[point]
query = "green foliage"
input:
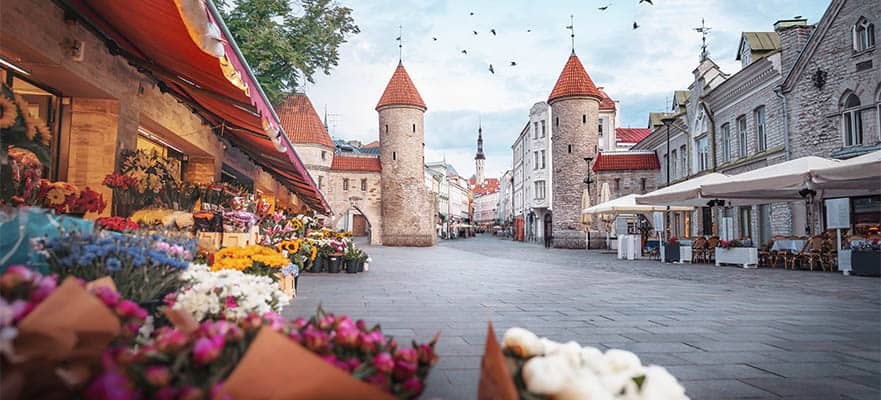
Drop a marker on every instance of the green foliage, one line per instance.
(285, 42)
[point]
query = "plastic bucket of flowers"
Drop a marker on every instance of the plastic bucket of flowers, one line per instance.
(334, 262)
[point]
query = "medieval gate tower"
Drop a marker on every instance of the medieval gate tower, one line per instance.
(574, 103)
(407, 210)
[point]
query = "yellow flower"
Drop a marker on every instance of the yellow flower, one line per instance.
(55, 196)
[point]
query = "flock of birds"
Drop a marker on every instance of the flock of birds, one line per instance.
(492, 31)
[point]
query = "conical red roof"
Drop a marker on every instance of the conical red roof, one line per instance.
(400, 91)
(301, 122)
(574, 81)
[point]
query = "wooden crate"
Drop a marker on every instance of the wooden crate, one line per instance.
(209, 240)
(236, 239)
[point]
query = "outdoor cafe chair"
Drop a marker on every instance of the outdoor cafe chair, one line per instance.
(790, 259)
(698, 249)
(711, 249)
(766, 254)
(813, 252)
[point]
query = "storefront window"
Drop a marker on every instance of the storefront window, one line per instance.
(43, 104)
(866, 213)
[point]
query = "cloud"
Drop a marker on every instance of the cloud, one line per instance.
(640, 68)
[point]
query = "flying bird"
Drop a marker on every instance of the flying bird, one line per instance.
(605, 7)
(472, 13)
(434, 38)
(529, 30)
(635, 25)
(646, 1)
(513, 63)
(493, 31)
(464, 51)
(491, 70)
(475, 33)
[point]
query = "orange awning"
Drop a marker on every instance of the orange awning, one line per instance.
(156, 36)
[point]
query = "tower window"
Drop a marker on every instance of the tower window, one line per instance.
(323, 155)
(345, 183)
(363, 184)
(642, 185)
(386, 128)
(557, 121)
(394, 155)
(414, 127)
(583, 118)
(570, 149)
(320, 182)
(617, 184)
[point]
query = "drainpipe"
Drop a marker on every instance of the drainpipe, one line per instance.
(779, 92)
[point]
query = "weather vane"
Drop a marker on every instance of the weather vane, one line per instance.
(704, 30)
(571, 28)
(400, 43)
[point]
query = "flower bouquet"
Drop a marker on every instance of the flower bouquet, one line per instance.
(52, 335)
(116, 224)
(238, 221)
(224, 358)
(87, 200)
(254, 259)
(26, 171)
(276, 227)
(529, 367)
(226, 294)
(126, 194)
(144, 267)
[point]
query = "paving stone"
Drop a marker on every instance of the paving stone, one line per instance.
(709, 326)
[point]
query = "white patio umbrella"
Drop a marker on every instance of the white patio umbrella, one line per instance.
(629, 205)
(781, 181)
(685, 193)
(856, 176)
(585, 203)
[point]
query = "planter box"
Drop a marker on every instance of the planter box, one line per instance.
(671, 254)
(748, 257)
(209, 240)
(236, 239)
(865, 263)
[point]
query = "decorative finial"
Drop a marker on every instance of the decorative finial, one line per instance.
(704, 30)
(400, 45)
(571, 29)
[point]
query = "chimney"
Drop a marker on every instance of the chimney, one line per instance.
(794, 33)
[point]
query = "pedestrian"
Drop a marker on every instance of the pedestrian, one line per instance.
(548, 240)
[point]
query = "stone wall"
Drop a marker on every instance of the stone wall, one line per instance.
(815, 113)
(575, 121)
(629, 182)
(407, 209)
(366, 202)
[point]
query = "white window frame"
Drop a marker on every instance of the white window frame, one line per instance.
(863, 35)
(543, 128)
(760, 117)
(543, 158)
(540, 190)
(852, 124)
(726, 142)
(673, 158)
(741, 136)
(683, 161)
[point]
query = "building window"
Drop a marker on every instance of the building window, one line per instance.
(363, 184)
(345, 183)
(673, 173)
(542, 159)
(557, 121)
(683, 161)
(536, 160)
(642, 185)
(741, 135)
(863, 35)
(539, 190)
(666, 167)
(535, 130)
(320, 182)
(583, 118)
(726, 142)
(761, 137)
(394, 155)
(600, 127)
(323, 155)
(746, 222)
(617, 184)
(852, 121)
(386, 128)
(570, 149)
(414, 128)
(542, 128)
(703, 150)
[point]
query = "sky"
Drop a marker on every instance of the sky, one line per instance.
(639, 68)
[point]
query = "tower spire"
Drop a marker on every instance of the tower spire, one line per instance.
(571, 29)
(400, 44)
(704, 30)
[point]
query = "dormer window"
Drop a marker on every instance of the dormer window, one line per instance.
(746, 54)
(863, 35)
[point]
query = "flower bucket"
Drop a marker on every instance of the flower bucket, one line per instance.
(334, 263)
(352, 266)
(360, 266)
(319, 265)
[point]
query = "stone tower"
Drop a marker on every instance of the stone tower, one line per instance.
(407, 210)
(479, 159)
(309, 137)
(574, 103)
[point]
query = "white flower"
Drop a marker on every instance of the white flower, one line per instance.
(619, 369)
(547, 375)
(593, 358)
(522, 342)
(206, 294)
(571, 351)
(660, 385)
(584, 385)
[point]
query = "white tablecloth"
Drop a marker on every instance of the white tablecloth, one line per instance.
(628, 247)
(790, 245)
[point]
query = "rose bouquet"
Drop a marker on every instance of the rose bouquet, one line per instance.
(543, 368)
(197, 364)
(116, 224)
(226, 294)
(87, 200)
(254, 259)
(144, 267)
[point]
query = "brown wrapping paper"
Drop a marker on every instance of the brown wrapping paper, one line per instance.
(276, 368)
(181, 319)
(495, 380)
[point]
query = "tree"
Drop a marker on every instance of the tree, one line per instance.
(284, 42)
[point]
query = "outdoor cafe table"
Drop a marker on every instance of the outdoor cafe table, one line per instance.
(789, 245)
(628, 247)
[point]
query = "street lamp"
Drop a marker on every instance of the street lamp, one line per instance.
(667, 122)
(588, 181)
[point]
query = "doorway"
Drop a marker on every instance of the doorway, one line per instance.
(359, 225)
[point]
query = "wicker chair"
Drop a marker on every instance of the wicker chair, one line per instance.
(711, 249)
(698, 250)
(813, 252)
(768, 257)
(790, 259)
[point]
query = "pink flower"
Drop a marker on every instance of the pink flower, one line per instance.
(231, 302)
(347, 336)
(20, 272)
(217, 392)
(110, 386)
(315, 340)
(403, 370)
(141, 314)
(408, 355)
(162, 246)
(190, 393)
(157, 375)
(326, 323)
(379, 379)
(413, 386)
(427, 355)
(165, 393)
(383, 362)
(362, 326)
(132, 328)
(169, 340)
(354, 363)
(45, 285)
(127, 308)
(300, 322)
(205, 351)
(21, 309)
(109, 297)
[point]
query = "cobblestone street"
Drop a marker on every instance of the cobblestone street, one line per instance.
(723, 332)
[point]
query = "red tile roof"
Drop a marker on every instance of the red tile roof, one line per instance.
(301, 122)
(631, 135)
(371, 145)
(349, 163)
(400, 91)
(626, 161)
(574, 81)
(490, 185)
(606, 103)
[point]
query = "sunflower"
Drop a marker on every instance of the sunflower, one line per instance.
(8, 113)
(296, 224)
(55, 196)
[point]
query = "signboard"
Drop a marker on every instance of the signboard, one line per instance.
(838, 213)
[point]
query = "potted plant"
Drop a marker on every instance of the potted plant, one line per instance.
(671, 250)
(335, 256)
(362, 260)
(351, 257)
